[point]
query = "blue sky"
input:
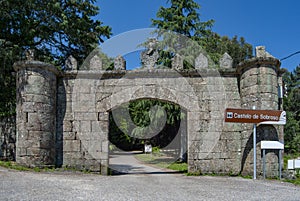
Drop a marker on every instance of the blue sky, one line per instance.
(274, 24)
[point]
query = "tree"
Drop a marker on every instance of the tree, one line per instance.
(216, 45)
(183, 18)
(292, 134)
(292, 98)
(292, 106)
(147, 115)
(55, 29)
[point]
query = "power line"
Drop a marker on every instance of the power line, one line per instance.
(290, 56)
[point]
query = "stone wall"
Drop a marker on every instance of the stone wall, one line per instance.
(36, 113)
(62, 119)
(77, 130)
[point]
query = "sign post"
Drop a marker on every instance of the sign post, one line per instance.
(254, 149)
(271, 145)
(257, 117)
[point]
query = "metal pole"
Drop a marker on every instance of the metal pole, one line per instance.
(254, 148)
(280, 164)
(254, 151)
(264, 163)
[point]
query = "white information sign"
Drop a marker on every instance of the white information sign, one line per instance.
(297, 163)
(293, 164)
(271, 145)
(148, 148)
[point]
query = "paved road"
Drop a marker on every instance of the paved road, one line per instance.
(125, 162)
(16, 185)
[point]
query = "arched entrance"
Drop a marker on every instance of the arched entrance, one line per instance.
(143, 123)
(152, 90)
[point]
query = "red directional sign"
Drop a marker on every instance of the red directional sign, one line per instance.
(255, 116)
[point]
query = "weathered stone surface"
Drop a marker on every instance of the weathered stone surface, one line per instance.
(72, 145)
(149, 57)
(260, 51)
(36, 113)
(85, 126)
(201, 61)
(177, 62)
(80, 117)
(71, 63)
(119, 63)
(29, 54)
(69, 136)
(226, 61)
(96, 63)
(103, 116)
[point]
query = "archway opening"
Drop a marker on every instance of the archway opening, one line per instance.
(147, 136)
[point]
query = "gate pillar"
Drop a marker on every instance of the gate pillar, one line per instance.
(36, 113)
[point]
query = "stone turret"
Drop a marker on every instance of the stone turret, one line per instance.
(36, 113)
(259, 80)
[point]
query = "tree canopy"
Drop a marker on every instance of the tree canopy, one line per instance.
(152, 120)
(55, 29)
(182, 17)
(292, 107)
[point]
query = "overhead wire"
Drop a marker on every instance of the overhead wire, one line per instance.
(290, 55)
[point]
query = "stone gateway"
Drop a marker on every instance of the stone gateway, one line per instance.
(63, 117)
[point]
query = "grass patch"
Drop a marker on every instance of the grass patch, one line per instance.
(287, 157)
(180, 167)
(13, 165)
(162, 161)
(246, 176)
(293, 181)
(194, 173)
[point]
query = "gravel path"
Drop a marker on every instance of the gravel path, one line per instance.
(66, 186)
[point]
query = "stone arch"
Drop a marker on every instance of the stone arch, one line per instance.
(148, 92)
(185, 100)
(172, 141)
